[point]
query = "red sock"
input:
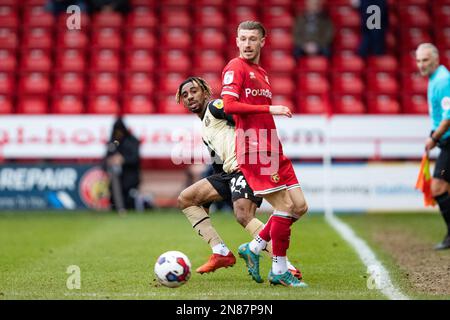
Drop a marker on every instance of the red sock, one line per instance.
(280, 233)
(265, 232)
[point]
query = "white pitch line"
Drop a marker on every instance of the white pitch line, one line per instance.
(379, 273)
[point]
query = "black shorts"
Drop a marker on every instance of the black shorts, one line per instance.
(233, 186)
(442, 166)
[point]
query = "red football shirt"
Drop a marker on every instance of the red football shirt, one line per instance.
(255, 126)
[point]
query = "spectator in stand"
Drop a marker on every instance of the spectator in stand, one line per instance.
(373, 40)
(58, 7)
(313, 31)
(121, 6)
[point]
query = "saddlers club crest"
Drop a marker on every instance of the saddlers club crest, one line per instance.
(275, 177)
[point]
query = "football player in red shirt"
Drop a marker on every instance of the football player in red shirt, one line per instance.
(247, 95)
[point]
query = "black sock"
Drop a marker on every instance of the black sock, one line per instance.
(443, 201)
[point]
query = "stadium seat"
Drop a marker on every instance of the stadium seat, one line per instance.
(75, 39)
(8, 17)
(139, 83)
(313, 64)
(178, 17)
(347, 62)
(411, 37)
(282, 84)
(36, 60)
(313, 84)
(8, 38)
(346, 39)
(168, 105)
(169, 82)
(386, 63)
(210, 38)
(345, 17)
(175, 38)
(103, 104)
(348, 104)
(9, 61)
(216, 3)
(414, 83)
(37, 83)
(70, 60)
(107, 38)
(242, 13)
(72, 83)
(67, 104)
(278, 61)
(277, 17)
(214, 80)
(37, 16)
(105, 60)
(208, 61)
(139, 60)
(415, 104)
(280, 38)
(383, 104)
(7, 83)
(32, 104)
(313, 104)
(441, 15)
(37, 38)
(414, 16)
(104, 83)
(408, 63)
(140, 38)
(284, 100)
(138, 104)
(382, 83)
(142, 17)
(107, 19)
(6, 104)
(209, 16)
(348, 83)
(443, 34)
(174, 61)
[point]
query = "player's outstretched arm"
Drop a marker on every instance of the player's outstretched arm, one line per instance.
(280, 111)
(233, 106)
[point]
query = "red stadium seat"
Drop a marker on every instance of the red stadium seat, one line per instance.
(414, 83)
(6, 104)
(383, 104)
(210, 38)
(243, 13)
(70, 60)
(8, 17)
(348, 83)
(107, 19)
(75, 39)
(174, 61)
(408, 63)
(36, 60)
(280, 38)
(215, 82)
(208, 61)
(8, 38)
(313, 84)
(140, 38)
(216, 3)
(175, 17)
(348, 104)
(168, 105)
(67, 104)
(9, 61)
(414, 16)
(282, 84)
(346, 39)
(72, 83)
(313, 64)
(138, 104)
(441, 15)
(29, 104)
(415, 104)
(7, 84)
(348, 62)
(105, 60)
(443, 34)
(175, 38)
(104, 83)
(284, 100)
(103, 104)
(386, 63)
(38, 38)
(412, 37)
(277, 17)
(169, 83)
(210, 16)
(313, 104)
(37, 83)
(139, 60)
(138, 83)
(142, 17)
(107, 38)
(278, 61)
(345, 17)
(382, 83)
(38, 16)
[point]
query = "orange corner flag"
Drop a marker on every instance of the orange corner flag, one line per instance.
(424, 181)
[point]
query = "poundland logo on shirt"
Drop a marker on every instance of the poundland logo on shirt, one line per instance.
(258, 92)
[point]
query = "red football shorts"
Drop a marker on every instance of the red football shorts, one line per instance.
(268, 173)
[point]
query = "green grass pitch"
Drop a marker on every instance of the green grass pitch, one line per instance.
(116, 258)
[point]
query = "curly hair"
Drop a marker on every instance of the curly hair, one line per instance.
(200, 82)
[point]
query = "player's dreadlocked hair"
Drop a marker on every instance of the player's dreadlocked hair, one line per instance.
(200, 82)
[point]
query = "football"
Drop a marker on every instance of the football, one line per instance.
(173, 269)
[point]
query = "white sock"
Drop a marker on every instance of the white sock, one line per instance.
(289, 264)
(257, 244)
(221, 249)
(279, 265)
